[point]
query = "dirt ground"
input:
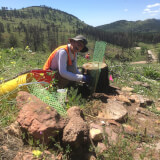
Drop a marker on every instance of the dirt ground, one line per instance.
(142, 126)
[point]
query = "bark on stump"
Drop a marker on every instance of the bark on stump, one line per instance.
(99, 73)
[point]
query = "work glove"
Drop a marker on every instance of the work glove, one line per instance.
(86, 78)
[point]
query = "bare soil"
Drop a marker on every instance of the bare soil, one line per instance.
(142, 126)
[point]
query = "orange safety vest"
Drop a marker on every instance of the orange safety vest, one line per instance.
(52, 55)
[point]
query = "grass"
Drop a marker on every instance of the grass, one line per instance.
(8, 112)
(15, 60)
(126, 74)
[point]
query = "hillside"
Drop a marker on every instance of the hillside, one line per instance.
(43, 29)
(39, 27)
(150, 25)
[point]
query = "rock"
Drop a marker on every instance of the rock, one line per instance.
(101, 147)
(13, 129)
(75, 132)
(10, 144)
(149, 101)
(28, 155)
(146, 85)
(127, 89)
(25, 98)
(134, 98)
(124, 99)
(113, 110)
(96, 134)
(158, 108)
(111, 135)
(142, 84)
(157, 146)
(142, 119)
(39, 119)
(24, 156)
(142, 101)
(129, 129)
(75, 111)
(137, 83)
(90, 156)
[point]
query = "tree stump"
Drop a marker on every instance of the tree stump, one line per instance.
(99, 74)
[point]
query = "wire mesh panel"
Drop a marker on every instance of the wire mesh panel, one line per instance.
(98, 56)
(47, 97)
(99, 51)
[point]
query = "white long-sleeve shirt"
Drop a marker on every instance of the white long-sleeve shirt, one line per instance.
(60, 63)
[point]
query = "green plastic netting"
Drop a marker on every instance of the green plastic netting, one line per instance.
(98, 55)
(50, 98)
(99, 51)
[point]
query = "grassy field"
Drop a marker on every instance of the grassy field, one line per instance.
(14, 61)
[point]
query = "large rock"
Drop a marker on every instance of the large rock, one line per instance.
(96, 134)
(76, 131)
(111, 135)
(39, 119)
(113, 110)
(75, 111)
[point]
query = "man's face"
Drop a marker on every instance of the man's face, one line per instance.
(78, 46)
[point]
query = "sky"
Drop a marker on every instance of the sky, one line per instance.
(96, 12)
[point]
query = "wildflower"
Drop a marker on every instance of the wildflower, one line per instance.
(48, 108)
(47, 97)
(41, 132)
(0, 57)
(41, 74)
(1, 78)
(13, 62)
(37, 153)
(12, 49)
(27, 47)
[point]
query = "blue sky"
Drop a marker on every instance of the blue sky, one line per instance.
(96, 12)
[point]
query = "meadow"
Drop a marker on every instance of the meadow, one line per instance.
(15, 61)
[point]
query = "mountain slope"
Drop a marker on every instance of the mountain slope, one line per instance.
(39, 27)
(150, 25)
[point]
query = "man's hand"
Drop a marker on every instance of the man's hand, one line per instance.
(86, 78)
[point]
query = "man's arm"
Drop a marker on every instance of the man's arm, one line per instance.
(62, 67)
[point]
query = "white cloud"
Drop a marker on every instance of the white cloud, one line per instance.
(126, 10)
(152, 9)
(153, 5)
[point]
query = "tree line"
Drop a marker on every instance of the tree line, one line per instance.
(52, 30)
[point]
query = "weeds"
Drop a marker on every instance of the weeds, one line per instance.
(74, 98)
(123, 75)
(8, 112)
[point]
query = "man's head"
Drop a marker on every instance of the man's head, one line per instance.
(79, 43)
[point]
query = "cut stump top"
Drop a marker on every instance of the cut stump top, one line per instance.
(94, 65)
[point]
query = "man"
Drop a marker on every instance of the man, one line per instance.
(64, 60)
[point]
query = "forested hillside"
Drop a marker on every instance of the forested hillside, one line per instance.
(43, 28)
(39, 27)
(140, 31)
(150, 25)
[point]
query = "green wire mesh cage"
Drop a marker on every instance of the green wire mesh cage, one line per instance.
(50, 98)
(98, 55)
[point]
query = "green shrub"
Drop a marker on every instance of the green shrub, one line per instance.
(150, 72)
